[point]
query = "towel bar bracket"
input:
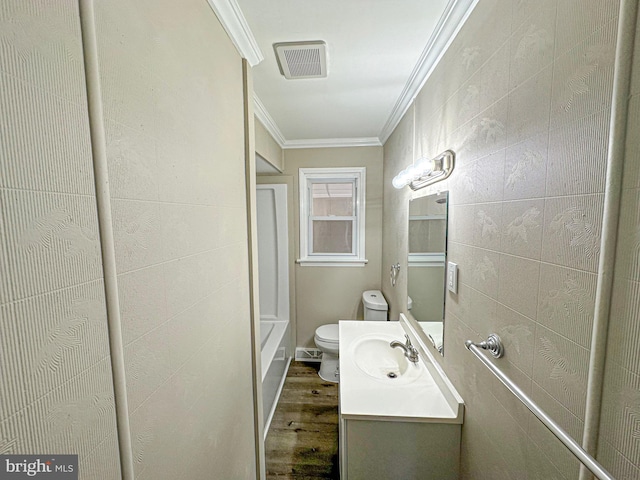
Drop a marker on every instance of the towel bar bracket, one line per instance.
(493, 344)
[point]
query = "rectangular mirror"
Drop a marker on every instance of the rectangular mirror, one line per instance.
(427, 264)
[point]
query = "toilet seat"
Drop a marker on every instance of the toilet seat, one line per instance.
(327, 340)
(328, 333)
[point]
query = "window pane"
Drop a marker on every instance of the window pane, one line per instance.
(332, 236)
(332, 199)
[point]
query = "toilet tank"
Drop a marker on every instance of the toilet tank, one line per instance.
(375, 306)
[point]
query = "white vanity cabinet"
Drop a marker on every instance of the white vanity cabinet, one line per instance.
(405, 425)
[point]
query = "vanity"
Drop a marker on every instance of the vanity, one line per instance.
(398, 419)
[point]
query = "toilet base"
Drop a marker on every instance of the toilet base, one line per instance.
(330, 368)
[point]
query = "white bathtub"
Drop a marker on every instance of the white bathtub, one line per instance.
(275, 357)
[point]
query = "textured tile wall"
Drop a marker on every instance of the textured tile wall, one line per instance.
(173, 110)
(173, 103)
(56, 382)
(523, 96)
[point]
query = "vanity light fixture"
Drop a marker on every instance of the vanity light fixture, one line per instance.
(426, 172)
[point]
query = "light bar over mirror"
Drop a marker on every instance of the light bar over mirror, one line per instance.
(426, 172)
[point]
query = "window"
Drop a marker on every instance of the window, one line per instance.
(332, 206)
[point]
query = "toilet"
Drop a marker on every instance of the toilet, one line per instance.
(327, 336)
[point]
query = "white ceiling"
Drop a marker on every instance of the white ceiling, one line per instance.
(377, 50)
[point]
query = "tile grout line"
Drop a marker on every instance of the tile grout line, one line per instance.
(103, 202)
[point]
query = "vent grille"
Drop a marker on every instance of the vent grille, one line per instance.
(302, 59)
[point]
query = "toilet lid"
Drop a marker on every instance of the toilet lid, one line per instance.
(328, 333)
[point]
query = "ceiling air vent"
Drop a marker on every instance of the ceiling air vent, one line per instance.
(302, 59)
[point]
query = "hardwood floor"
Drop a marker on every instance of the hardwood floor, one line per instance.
(302, 442)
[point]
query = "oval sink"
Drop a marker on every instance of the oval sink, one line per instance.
(373, 355)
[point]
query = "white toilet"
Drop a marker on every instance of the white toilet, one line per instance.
(327, 336)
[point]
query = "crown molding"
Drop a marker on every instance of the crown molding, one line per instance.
(452, 20)
(333, 142)
(269, 123)
(233, 21)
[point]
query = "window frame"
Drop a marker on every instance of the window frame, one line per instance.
(308, 176)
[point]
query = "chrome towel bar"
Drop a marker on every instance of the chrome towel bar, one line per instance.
(494, 345)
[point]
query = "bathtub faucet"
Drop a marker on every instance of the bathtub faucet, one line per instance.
(409, 350)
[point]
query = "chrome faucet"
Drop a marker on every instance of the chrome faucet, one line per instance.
(409, 350)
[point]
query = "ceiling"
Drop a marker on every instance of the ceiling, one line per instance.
(379, 53)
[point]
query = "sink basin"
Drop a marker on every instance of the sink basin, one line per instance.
(373, 355)
(419, 393)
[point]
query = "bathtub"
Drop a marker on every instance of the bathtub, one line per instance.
(275, 357)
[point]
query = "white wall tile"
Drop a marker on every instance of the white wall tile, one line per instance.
(525, 168)
(487, 225)
(560, 368)
(74, 418)
(579, 19)
(42, 46)
(131, 157)
(620, 412)
(616, 463)
(482, 268)
(461, 220)
(555, 451)
(632, 153)
(464, 185)
(521, 232)
(517, 333)
(485, 32)
(485, 134)
(532, 41)
(583, 77)
(587, 141)
(529, 106)
(46, 143)
(522, 294)
(539, 467)
(624, 326)
(6, 288)
(51, 241)
(488, 85)
(489, 181)
(566, 302)
(138, 234)
(628, 254)
(478, 309)
(67, 332)
(143, 301)
(572, 229)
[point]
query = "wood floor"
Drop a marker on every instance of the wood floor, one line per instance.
(302, 442)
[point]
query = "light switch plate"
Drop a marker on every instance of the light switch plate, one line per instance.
(452, 277)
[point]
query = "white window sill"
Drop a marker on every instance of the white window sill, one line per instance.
(307, 262)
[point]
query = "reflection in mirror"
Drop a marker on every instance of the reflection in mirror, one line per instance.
(426, 264)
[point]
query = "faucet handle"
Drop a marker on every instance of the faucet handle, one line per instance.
(408, 340)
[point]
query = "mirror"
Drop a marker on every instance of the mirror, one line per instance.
(426, 283)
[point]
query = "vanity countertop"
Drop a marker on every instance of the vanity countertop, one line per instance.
(415, 398)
